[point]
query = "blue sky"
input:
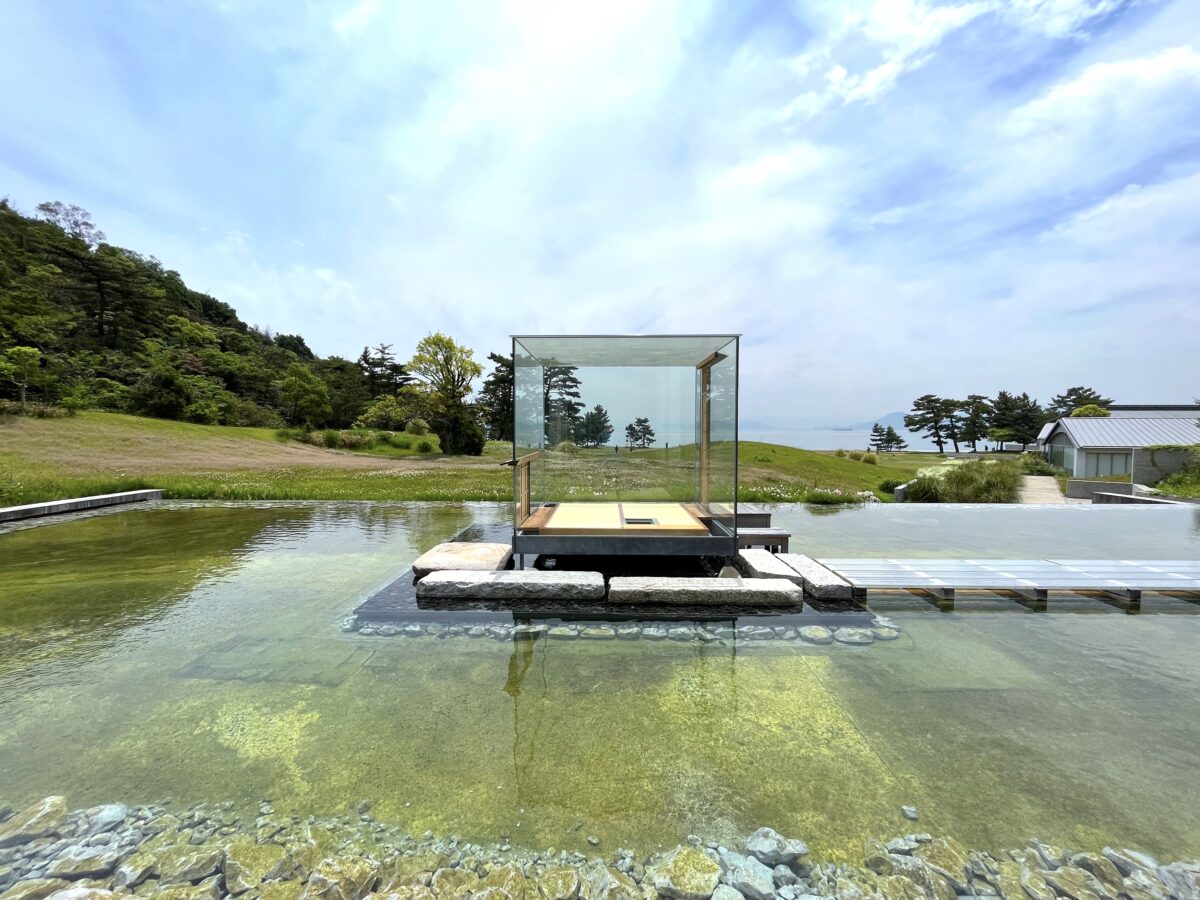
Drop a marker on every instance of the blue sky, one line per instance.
(886, 198)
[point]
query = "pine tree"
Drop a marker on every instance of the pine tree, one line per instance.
(560, 392)
(1071, 399)
(931, 416)
(878, 441)
(975, 421)
(595, 429)
(631, 435)
(496, 399)
(645, 434)
(892, 440)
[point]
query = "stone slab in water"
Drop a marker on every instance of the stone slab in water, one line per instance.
(819, 581)
(527, 584)
(705, 591)
(75, 504)
(765, 564)
(463, 556)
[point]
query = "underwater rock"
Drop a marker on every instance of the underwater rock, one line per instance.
(291, 890)
(559, 883)
(772, 848)
(725, 892)
(187, 863)
(403, 870)
(247, 864)
(106, 818)
(1127, 861)
(946, 857)
(816, 634)
(598, 632)
(601, 882)
(136, 869)
(1182, 879)
(463, 556)
(82, 893)
(341, 878)
(885, 634)
(450, 882)
(40, 820)
(629, 631)
(1076, 884)
(910, 812)
(80, 861)
(35, 889)
(748, 876)
(902, 845)
(208, 889)
(685, 873)
(1100, 867)
(855, 636)
(654, 632)
(784, 876)
(507, 878)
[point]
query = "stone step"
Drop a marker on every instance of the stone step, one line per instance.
(764, 537)
(705, 591)
(819, 582)
(765, 564)
(462, 556)
(525, 584)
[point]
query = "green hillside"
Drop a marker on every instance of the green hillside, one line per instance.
(97, 452)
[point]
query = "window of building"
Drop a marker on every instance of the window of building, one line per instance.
(1107, 464)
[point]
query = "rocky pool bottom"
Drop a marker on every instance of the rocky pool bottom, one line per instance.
(209, 851)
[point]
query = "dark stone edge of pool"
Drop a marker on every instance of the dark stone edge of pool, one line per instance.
(209, 851)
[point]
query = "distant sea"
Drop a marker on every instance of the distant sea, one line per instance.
(826, 439)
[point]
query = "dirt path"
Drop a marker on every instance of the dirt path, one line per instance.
(1040, 489)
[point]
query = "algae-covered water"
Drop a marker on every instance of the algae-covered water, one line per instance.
(195, 653)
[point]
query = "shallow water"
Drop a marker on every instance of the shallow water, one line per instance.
(195, 653)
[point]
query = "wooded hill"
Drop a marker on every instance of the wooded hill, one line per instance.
(114, 329)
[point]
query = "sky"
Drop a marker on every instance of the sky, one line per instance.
(884, 197)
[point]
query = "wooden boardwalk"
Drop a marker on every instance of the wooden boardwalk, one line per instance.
(1035, 578)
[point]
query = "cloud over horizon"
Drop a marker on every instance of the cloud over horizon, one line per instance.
(886, 197)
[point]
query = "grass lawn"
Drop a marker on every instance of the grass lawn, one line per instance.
(95, 452)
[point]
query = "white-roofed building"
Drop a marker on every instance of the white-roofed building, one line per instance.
(1122, 443)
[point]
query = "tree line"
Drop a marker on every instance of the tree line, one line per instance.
(1005, 418)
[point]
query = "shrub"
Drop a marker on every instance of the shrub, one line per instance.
(1035, 464)
(889, 485)
(856, 455)
(870, 459)
(356, 440)
(400, 442)
(566, 447)
(34, 410)
(417, 426)
(286, 434)
(924, 489)
(839, 453)
(424, 446)
(332, 438)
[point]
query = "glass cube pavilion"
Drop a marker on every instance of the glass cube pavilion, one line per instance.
(625, 445)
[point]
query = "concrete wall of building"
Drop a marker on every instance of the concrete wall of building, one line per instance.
(1102, 497)
(1083, 489)
(1151, 466)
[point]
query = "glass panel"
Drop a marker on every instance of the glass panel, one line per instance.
(629, 419)
(529, 424)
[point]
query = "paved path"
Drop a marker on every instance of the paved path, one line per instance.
(1040, 489)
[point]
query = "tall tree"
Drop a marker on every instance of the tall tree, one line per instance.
(21, 366)
(974, 428)
(447, 369)
(643, 432)
(349, 394)
(892, 440)
(878, 439)
(563, 407)
(496, 399)
(1073, 398)
(931, 417)
(304, 396)
(383, 373)
(595, 429)
(631, 435)
(1015, 418)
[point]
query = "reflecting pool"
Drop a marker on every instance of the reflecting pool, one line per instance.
(195, 653)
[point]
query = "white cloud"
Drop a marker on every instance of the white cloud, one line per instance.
(357, 18)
